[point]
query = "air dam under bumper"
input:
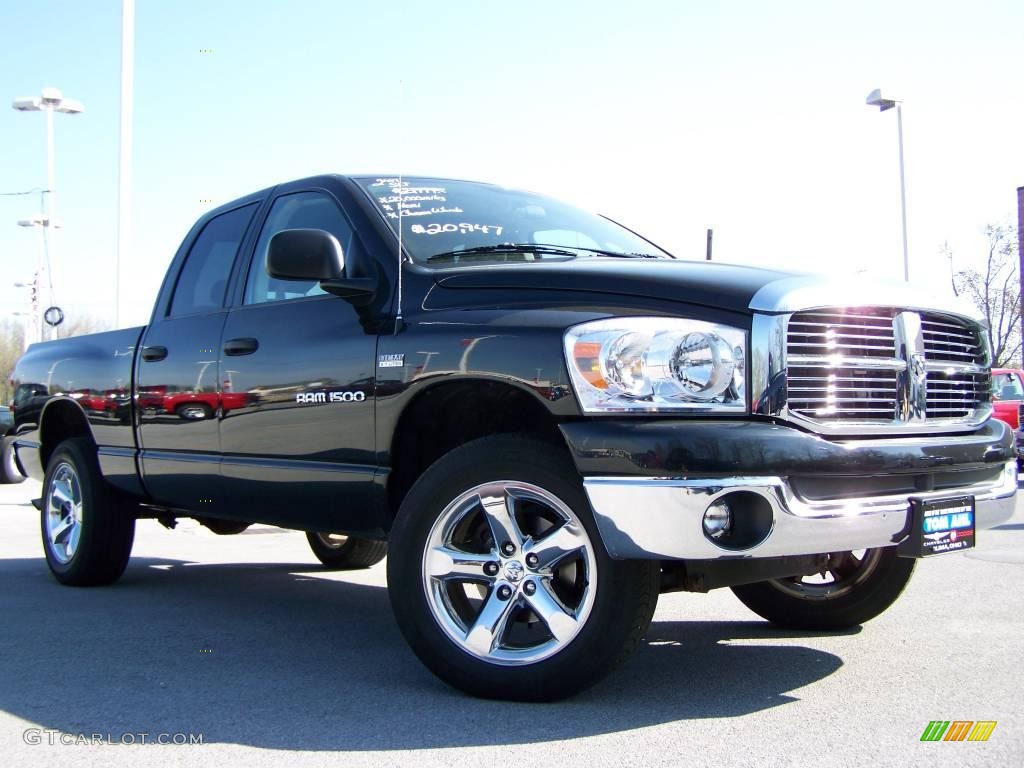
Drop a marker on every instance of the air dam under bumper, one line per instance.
(645, 512)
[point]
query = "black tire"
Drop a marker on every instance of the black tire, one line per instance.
(860, 589)
(223, 527)
(9, 473)
(99, 524)
(535, 480)
(346, 553)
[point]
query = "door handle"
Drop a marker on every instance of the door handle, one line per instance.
(152, 354)
(235, 347)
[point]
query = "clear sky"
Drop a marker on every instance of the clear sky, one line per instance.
(671, 117)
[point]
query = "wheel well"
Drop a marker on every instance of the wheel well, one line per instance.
(61, 420)
(452, 414)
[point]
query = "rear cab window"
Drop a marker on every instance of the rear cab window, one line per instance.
(203, 280)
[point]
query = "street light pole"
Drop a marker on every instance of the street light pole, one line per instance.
(51, 100)
(875, 100)
(903, 194)
(124, 192)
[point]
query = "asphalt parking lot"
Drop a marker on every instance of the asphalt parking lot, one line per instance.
(246, 641)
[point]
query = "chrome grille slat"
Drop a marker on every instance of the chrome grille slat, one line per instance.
(847, 366)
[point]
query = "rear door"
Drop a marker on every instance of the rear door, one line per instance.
(297, 367)
(177, 374)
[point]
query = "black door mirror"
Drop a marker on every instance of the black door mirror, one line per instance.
(314, 254)
(305, 254)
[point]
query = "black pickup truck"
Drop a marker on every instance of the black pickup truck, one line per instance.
(545, 420)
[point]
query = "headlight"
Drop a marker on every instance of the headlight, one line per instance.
(657, 364)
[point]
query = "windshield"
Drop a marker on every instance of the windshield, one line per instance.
(448, 221)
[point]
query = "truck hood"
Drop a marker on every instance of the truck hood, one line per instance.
(721, 286)
(724, 286)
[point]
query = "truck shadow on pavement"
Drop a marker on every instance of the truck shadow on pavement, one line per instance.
(277, 656)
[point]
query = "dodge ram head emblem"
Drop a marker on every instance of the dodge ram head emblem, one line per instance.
(917, 367)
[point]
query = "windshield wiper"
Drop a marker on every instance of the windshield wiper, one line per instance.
(549, 250)
(616, 254)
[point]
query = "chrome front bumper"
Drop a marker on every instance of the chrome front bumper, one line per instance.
(661, 518)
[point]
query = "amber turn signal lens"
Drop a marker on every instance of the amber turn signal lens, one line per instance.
(587, 355)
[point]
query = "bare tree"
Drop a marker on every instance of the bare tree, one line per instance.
(12, 335)
(81, 325)
(996, 293)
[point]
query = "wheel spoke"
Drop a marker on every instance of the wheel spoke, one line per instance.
(500, 514)
(560, 622)
(451, 564)
(60, 496)
(62, 528)
(558, 545)
(488, 629)
(71, 543)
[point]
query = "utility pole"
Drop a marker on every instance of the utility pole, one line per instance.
(711, 233)
(1020, 252)
(124, 193)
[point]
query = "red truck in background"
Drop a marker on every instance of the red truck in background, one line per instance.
(1008, 401)
(1007, 394)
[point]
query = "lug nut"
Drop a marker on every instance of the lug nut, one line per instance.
(532, 560)
(504, 592)
(491, 569)
(529, 587)
(508, 548)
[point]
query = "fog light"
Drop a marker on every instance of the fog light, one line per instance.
(718, 520)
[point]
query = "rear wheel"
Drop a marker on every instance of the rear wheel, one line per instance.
(87, 531)
(223, 527)
(498, 579)
(341, 552)
(853, 587)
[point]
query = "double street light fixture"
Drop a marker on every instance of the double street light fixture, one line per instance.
(875, 99)
(50, 101)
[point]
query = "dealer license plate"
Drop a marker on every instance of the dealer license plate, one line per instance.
(939, 526)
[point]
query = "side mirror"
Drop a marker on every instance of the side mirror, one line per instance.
(313, 254)
(305, 254)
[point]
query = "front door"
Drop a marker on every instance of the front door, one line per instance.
(297, 379)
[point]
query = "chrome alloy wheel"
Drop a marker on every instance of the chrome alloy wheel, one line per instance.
(509, 573)
(64, 513)
(332, 540)
(842, 572)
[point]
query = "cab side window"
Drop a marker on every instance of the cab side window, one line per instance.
(300, 210)
(204, 278)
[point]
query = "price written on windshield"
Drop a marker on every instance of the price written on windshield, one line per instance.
(437, 229)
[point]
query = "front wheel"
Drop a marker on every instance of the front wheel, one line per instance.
(87, 530)
(498, 579)
(853, 587)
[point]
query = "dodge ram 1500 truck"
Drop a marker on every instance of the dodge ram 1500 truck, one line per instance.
(545, 420)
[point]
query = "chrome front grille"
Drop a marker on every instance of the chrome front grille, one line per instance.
(866, 333)
(946, 339)
(955, 395)
(882, 368)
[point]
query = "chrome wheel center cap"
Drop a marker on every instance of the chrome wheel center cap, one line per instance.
(514, 571)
